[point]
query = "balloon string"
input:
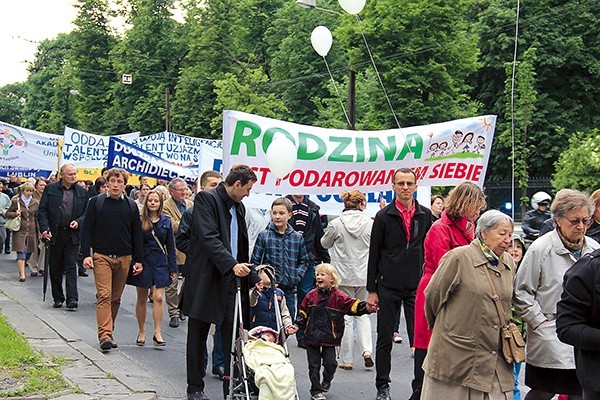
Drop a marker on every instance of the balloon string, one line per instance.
(385, 92)
(337, 91)
(377, 71)
(512, 111)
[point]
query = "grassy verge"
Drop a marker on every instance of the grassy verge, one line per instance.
(23, 371)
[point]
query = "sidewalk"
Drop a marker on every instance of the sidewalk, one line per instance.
(95, 375)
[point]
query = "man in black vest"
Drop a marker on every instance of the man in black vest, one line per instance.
(60, 217)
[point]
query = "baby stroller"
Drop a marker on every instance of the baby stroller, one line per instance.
(275, 379)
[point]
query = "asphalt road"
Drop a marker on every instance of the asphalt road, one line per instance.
(164, 369)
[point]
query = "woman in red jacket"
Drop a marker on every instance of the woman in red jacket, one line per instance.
(454, 228)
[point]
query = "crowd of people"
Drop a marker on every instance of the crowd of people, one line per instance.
(458, 276)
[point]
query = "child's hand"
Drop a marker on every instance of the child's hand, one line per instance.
(259, 286)
(371, 309)
(290, 330)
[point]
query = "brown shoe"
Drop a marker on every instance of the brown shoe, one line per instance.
(368, 357)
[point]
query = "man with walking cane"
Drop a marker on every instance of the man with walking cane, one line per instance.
(60, 216)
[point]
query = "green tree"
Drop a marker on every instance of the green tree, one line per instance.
(12, 103)
(424, 53)
(224, 37)
(48, 105)
(565, 34)
(245, 95)
(150, 51)
(91, 44)
(298, 74)
(524, 105)
(578, 167)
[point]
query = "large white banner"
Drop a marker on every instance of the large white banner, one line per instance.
(26, 152)
(328, 161)
(178, 149)
(86, 150)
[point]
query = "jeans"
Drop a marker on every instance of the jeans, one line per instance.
(516, 391)
(110, 275)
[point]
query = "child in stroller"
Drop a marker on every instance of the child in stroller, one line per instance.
(262, 299)
(273, 371)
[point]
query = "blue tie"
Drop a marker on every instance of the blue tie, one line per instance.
(234, 232)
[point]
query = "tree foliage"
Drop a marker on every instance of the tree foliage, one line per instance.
(438, 60)
(578, 167)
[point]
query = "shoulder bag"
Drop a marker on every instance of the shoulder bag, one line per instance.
(513, 345)
(14, 224)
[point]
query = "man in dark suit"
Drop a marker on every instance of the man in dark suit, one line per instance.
(218, 255)
(60, 216)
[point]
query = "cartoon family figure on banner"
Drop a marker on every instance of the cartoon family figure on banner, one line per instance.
(461, 143)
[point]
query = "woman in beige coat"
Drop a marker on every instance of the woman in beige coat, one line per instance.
(25, 240)
(465, 359)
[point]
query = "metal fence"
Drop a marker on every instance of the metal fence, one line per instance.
(499, 195)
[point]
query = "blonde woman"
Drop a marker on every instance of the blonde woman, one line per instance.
(24, 240)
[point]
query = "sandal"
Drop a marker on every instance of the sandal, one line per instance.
(140, 342)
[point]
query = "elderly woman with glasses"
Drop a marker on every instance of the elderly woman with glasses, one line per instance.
(464, 359)
(550, 364)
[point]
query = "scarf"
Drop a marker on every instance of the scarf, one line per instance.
(488, 253)
(571, 246)
(26, 200)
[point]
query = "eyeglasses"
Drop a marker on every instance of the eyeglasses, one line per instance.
(401, 184)
(577, 221)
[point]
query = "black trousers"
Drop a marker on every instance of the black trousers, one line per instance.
(196, 348)
(390, 301)
(316, 354)
(63, 255)
(417, 383)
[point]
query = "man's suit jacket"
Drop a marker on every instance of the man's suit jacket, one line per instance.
(170, 210)
(49, 210)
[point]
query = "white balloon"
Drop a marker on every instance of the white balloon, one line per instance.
(321, 40)
(352, 6)
(281, 156)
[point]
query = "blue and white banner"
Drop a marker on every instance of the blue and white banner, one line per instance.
(25, 152)
(140, 162)
(178, 149)
(86, 150)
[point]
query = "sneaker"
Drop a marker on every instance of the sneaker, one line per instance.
(326, 385)
(383, 394)
(105, 344)
(397, 338)
(346, 366)
(368, 357)
(174, 322)
(318, 396)
(71, 305)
